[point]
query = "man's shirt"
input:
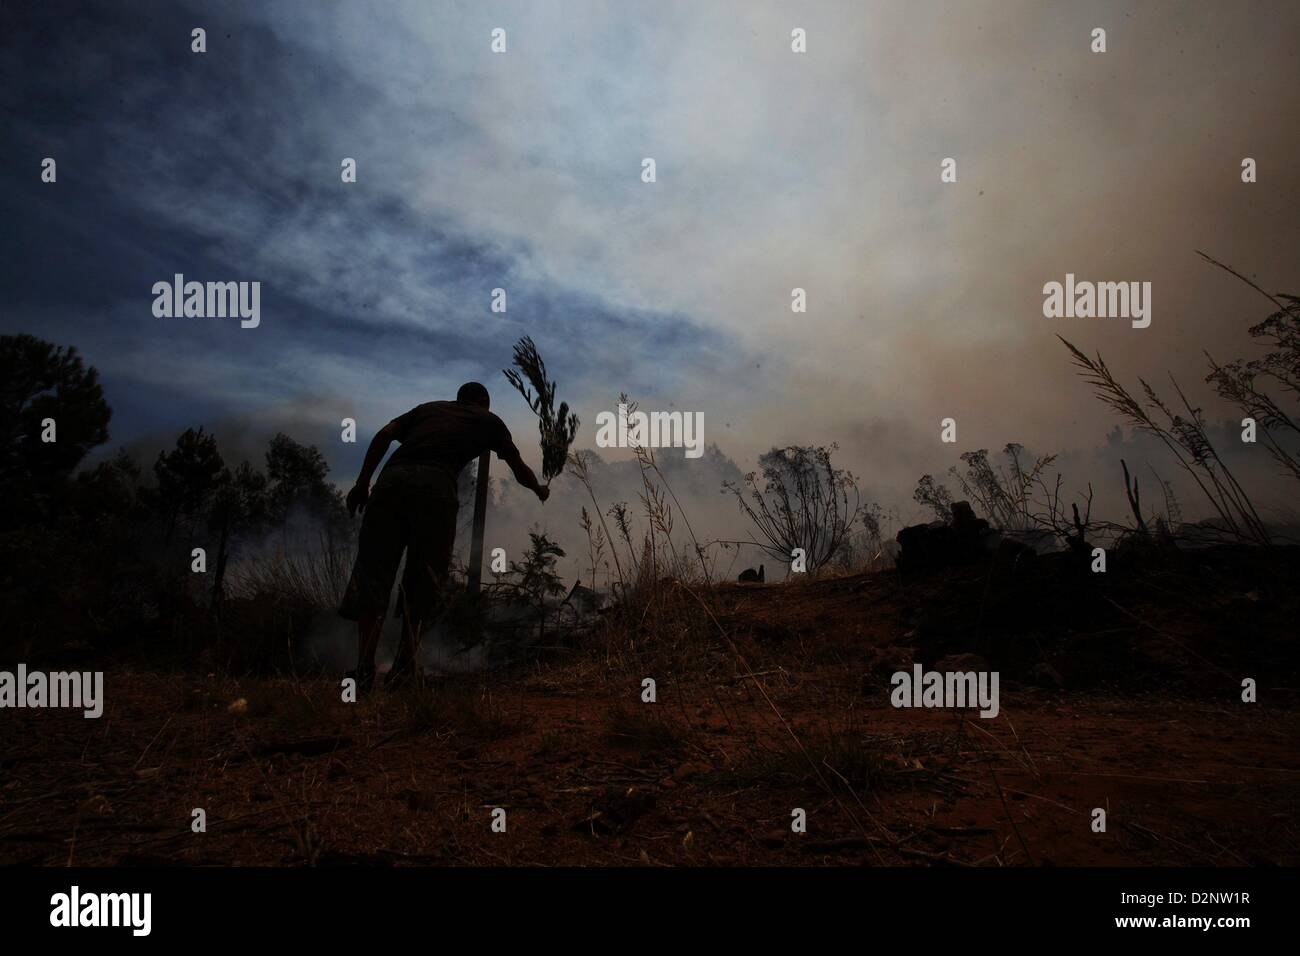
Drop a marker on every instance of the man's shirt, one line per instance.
(449, 435)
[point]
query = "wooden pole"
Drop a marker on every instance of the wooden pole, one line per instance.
(475, 574)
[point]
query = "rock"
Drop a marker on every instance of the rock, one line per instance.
(964, 520)
(922, 545)
(930, 547)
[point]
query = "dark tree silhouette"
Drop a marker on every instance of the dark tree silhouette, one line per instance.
(39, 381)
(296, 474)
(240, 506)
(188, 477)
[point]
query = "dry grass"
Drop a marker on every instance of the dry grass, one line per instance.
(312, 578)
(472, 711)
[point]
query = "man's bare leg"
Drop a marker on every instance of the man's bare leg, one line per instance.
(369, 627)
(414, 622)
(406, 664)
(408, 647)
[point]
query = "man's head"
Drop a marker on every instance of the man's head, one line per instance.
(472, 393)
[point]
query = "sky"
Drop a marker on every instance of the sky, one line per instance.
(775, 170)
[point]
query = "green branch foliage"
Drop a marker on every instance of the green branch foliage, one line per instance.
(557, 426)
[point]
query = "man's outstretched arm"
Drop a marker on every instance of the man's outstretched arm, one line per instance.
(524, 475)
(360, 492)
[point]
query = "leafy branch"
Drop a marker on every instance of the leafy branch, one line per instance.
(557, 426)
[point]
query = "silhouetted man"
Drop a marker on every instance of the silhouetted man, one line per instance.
(413, 509)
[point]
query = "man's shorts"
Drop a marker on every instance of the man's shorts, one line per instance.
(413, 509)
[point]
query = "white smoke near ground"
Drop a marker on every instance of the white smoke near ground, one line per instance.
(332, 645)
(696, 483)
(694, 491)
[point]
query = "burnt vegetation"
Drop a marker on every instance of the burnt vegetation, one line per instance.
(769, 695)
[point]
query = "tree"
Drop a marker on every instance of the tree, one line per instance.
(804, 503)
(240, 505)
(108, 492)
(296, 475)
(188, 476)
(535, 576)
(39, 381)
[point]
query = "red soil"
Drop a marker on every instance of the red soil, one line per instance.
(708, 775)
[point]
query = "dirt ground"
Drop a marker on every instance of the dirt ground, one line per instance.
(588, 774)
